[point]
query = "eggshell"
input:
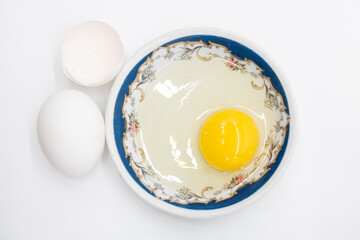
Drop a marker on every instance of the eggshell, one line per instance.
(92, 54)
(71, 132)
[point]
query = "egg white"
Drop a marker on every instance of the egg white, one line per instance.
(176, 105)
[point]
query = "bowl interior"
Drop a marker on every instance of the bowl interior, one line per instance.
(165, 99)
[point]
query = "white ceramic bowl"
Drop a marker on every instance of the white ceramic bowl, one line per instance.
(163, 96)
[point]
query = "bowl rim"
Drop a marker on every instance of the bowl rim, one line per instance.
(193, 213)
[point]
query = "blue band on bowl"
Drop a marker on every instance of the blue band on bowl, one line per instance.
(238, 50)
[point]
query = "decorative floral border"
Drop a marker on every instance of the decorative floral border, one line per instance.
(185, 51)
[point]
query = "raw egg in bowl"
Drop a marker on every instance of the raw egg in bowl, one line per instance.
(198, 122)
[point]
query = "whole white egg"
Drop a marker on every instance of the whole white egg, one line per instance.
(71, 132)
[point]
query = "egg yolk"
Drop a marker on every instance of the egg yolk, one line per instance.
(228, 140)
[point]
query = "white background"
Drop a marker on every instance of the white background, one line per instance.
(316, 43)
